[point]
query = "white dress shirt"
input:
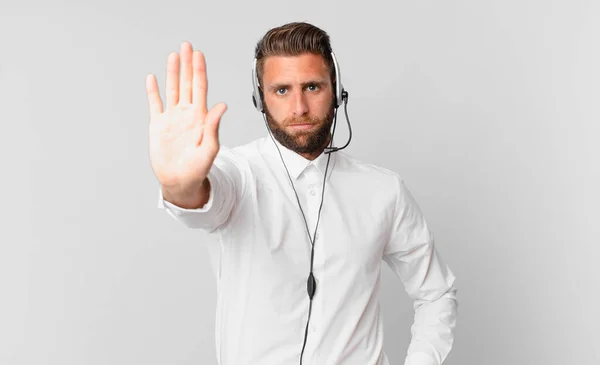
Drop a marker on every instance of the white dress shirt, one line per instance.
(261, 259)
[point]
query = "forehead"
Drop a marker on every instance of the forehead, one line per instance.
(294, 68)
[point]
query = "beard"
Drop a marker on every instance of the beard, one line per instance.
(302, 141)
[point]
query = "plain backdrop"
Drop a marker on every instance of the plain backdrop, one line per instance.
(489, 110)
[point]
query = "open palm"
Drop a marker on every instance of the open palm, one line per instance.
(183, 138)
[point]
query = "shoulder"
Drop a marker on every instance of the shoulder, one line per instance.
(369, 182)
(388, 186)
(248, 150)
(243, 153)
(375, 173)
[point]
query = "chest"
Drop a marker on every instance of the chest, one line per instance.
(349, 224)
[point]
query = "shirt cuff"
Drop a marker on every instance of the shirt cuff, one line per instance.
(199, 218)
(163, 204)
(420, 358)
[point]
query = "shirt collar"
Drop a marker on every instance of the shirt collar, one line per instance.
(296, 164)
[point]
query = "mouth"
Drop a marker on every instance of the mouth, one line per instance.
(301, 126)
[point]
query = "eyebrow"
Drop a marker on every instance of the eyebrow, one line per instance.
(319, 83)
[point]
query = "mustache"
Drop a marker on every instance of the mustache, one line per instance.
(302, 120)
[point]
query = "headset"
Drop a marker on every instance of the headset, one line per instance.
(341, 96)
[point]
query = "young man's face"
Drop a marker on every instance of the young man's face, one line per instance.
(298, 97)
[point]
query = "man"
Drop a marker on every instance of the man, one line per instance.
(300, 233)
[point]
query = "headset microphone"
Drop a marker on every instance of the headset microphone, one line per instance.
(341, 96)
(335, 149)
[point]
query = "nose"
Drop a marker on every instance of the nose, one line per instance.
(300, 106)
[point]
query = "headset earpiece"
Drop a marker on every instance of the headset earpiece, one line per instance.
(339, 88)
(256, 94)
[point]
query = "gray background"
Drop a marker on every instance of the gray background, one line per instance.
(488, 109)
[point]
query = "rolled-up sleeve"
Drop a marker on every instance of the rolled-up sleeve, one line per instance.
(429, 282)
(227, 178)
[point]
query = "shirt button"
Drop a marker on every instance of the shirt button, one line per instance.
(313, 329)
(312, 192)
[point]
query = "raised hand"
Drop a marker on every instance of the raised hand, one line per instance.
(184, 137)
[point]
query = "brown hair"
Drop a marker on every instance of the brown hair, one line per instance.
(294, 39)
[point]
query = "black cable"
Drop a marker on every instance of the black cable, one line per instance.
(334, 149)
(292, 183)
(311, 283)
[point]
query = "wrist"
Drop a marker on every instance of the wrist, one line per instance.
(192, 197)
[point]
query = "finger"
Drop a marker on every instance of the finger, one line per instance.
(200, 87)
(211, 127)
(154, 101)
(172, 91)
(185, 84)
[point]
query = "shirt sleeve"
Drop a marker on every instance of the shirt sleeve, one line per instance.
(227, 178)
(429, 282)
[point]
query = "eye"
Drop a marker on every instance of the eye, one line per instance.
(280, 91)
(313, 87)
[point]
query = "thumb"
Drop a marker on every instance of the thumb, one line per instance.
(213, 120)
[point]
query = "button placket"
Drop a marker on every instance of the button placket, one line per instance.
(315, 195)
(313, 201)
(315, 184)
